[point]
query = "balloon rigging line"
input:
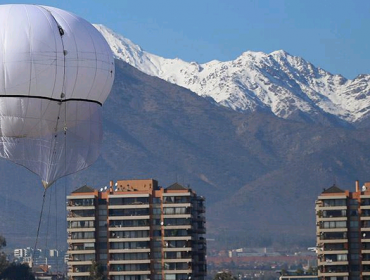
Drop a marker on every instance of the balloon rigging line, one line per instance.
(48, 221)
(38, 228)
(65, 168)
(65, 214)
(56, 223)
(52, 151)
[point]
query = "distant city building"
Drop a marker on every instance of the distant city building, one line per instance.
(253, 252)
(343, 233)
(137, 231)
(42, 272)
(19, 253)
(53, 253)
(51, 258)
(298, 277)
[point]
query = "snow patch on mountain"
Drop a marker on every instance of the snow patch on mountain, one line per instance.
(279, 82)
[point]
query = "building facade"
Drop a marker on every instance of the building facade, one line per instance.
(343, 233)
(137, 230)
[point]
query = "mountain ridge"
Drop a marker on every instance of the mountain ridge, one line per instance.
(260, 174)
(285, 85)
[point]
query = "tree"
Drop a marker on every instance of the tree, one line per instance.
(299, 271)
(3, 260)
(17, 272)
(224, 275)
(2, 242)
(312, 270)
(96, 271)
(284, 271)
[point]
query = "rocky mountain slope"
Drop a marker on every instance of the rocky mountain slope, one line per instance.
(260, 174)
(286, 85)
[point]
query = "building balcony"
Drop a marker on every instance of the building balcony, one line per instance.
(91, 240)
(187, 271)
(80, 207)
(343, 229)
(330, 262)
(188, 204)
(75, 274)
(72, 218)
(177, 227)
(114, 218)
(188, 260)
(334, 240)
(365, 273)
(323, 219)
(323, 208)
(187, 237)
(128, 261)
(79, 252)
(365, 215)
(121, 239)
(185, 216)
(80, 229)
(81, 196)
(144, 250)
(333, 252)
(117, 273)
(177, 249)
(120, 228)
(131, 206)
(79, 262)
(333, 274)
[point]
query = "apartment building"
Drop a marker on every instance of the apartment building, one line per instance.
(343, 233)
(137, 230)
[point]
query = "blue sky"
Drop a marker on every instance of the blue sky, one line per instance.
(331, 34)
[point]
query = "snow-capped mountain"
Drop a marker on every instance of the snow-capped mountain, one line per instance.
(278, 82)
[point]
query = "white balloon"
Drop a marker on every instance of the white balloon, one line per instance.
(56, 71)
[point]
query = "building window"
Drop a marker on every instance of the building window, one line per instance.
(156, 211)
(353, 224)
(334, 202)
(157, 233)
(335, 224)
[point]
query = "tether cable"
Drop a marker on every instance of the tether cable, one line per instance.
(48, 222)
(40, 219)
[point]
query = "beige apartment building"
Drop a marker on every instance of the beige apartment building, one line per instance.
(343, 233)
(137, 231)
